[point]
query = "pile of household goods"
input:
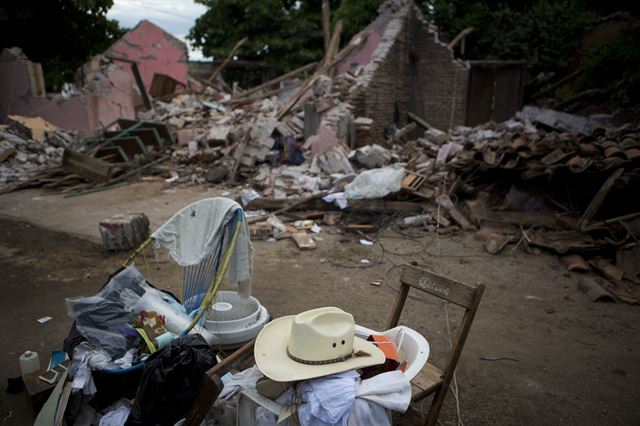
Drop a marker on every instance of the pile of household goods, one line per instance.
(133, 340)
(314, 369)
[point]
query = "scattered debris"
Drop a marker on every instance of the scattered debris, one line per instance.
(303, 240)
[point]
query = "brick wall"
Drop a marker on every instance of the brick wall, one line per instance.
(441, 82)
(412, 69)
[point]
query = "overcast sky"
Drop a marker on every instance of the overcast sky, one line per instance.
(174, 16)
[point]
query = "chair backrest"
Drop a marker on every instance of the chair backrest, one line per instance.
(448, 290)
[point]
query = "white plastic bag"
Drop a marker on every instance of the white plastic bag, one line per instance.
(375, 183)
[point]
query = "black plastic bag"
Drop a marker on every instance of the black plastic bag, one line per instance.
(111, 386)
(171, 382)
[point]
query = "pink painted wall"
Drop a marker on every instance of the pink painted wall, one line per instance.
(155, 50)
(362, 55)
(105, 98)
(72, 114)
(110, 98)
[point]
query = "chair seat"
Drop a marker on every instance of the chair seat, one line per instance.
(425, 382)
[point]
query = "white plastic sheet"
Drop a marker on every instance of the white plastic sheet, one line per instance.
(375, 183)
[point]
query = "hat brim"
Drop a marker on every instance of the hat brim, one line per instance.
(272, 360)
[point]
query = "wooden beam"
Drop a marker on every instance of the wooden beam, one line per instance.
(326, 24)
(259, 96)
(293, 100)
(287, 208)
(334, 44)
(218, 70)
(459, 37)
(322, 69)
(597, 201)
(373, 205)
(283, 77)
(141, 87)
(419, 121)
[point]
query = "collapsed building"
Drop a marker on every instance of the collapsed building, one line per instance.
(146, 59)
(105, 94)
(379, 126)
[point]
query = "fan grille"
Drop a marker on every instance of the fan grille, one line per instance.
(230, 306)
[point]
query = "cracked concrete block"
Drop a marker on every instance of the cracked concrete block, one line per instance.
(124, 231)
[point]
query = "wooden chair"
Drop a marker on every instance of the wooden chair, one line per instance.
(432, 380)
(213, 384)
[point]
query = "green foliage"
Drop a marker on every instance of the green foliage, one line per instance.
(277, 31)
(355, 15)
(544, 32)
(61, 34)
(611, 62)
(287, 33)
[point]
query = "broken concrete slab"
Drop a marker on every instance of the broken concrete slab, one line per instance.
(155, 51)
(124, 231)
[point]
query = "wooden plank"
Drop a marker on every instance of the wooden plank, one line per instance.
(425, 382)
(239, 152)
(303, 241)
(400, 134)
(374, 205)
(358, 227)
(282, 78)
(326, 30)
(597, 201)
(545, 220)
(225, 365)
(459, 37)
(218, 70)
(419, 121)
(445, 202)
(437, 285)
(334, 43)
(241, 100)
(211, 388)
(293, 99)
(397, 308)
(85, 166)
(454, 356)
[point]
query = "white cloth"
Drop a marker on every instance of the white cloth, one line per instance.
(245, 379)
(391, 390)
(194, 233)
(327, 400)
(118, 415)
(344, 399)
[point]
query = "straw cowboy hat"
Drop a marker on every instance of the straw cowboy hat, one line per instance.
(312, 344)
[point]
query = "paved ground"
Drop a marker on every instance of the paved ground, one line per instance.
(570, 361)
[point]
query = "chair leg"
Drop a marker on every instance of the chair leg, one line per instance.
(210, 390)
(436, 405)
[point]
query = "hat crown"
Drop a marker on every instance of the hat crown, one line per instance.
(321, 335)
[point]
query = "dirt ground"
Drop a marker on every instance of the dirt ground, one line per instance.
(539, 352)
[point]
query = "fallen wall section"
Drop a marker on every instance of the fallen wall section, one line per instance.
(155, 51)
(106, 94)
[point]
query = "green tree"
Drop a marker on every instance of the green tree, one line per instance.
(355, 15)
(287, 33)
(61, 34)
(544, 32)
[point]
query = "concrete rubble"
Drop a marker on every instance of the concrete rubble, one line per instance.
(540, 180)
(26, 152)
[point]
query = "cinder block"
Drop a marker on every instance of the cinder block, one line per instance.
(124, 231)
